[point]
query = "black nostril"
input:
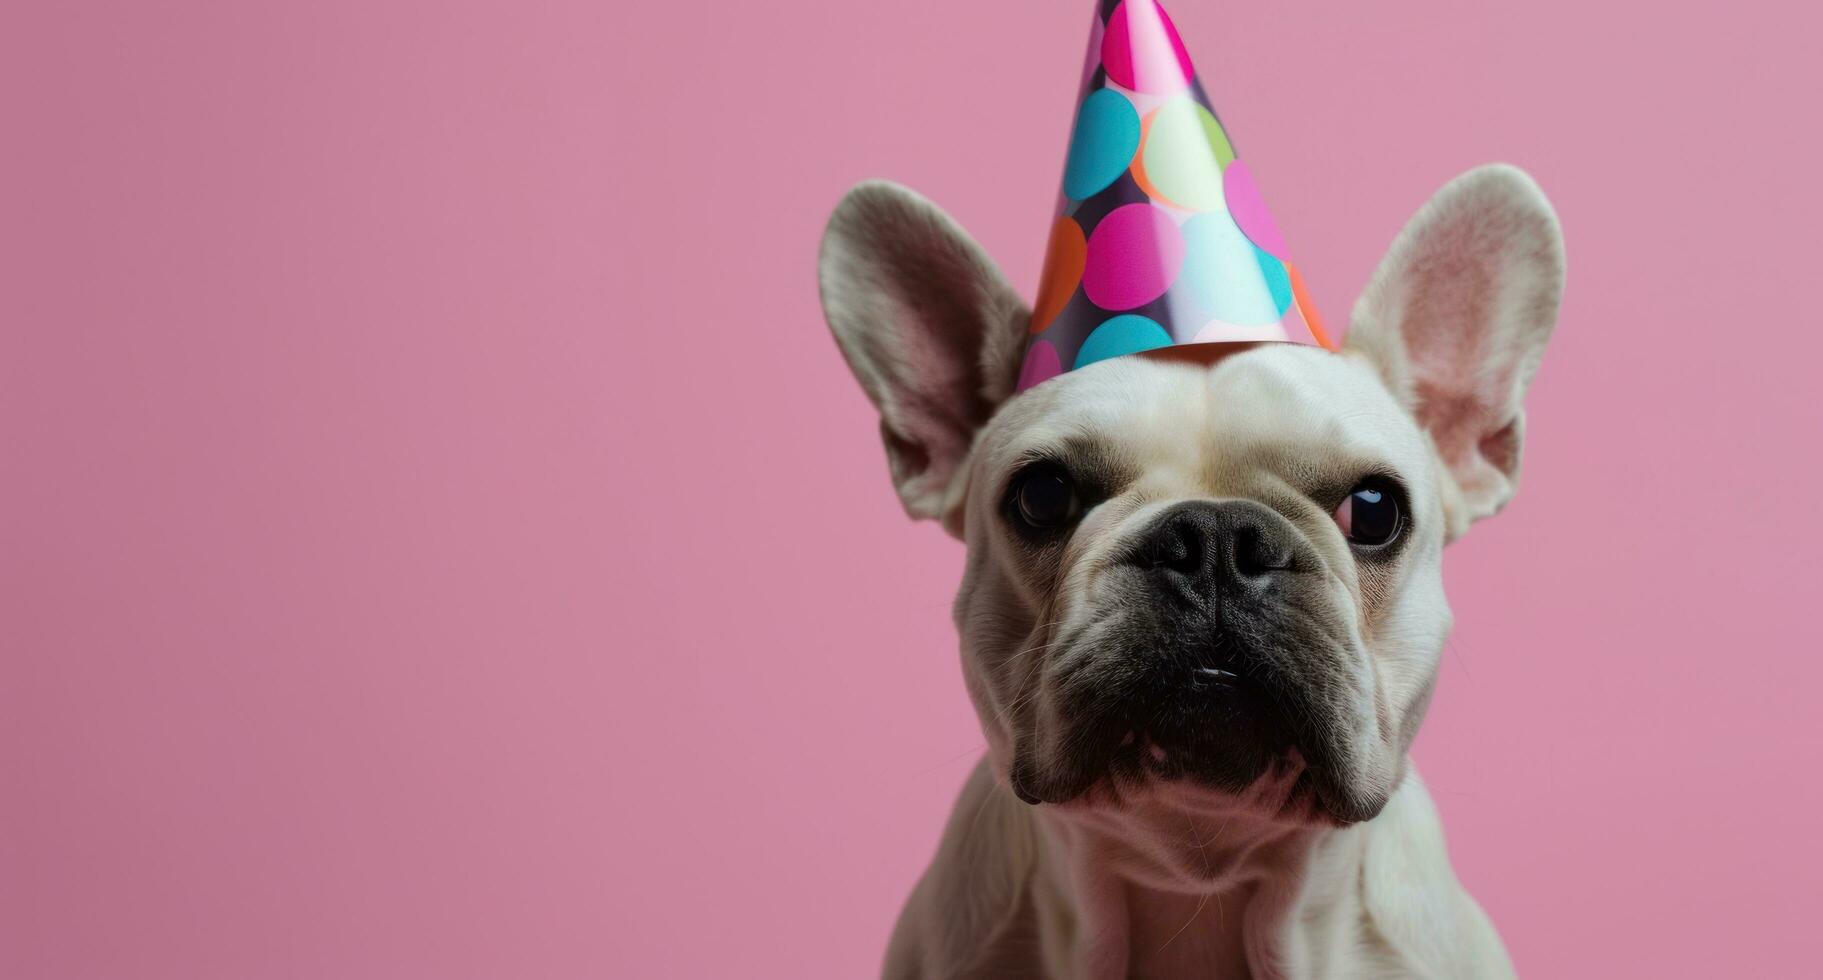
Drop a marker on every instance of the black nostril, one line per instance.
(1179, 550)
(1200, 544)
(1250, 557)
(1257, 552)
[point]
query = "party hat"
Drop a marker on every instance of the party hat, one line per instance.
(1161, 237)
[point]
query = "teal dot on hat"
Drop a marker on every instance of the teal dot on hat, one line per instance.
(1277, 279)
(1101, 149)
(1223, 273)
(1128, 333)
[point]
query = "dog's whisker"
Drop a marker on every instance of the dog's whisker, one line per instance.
(1202, 902)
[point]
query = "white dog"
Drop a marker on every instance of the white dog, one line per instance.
(1203, 607)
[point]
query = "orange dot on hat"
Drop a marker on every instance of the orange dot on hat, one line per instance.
(1063, 261)
(1307, 307)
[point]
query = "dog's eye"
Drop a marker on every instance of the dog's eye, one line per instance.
(1369, 515)
(1045, 497)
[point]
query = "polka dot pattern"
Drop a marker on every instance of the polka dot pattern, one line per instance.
(1106, 137)
(1063, 261)
(1162, 236)
(1249, 209)
(1041, 364)
(1124, 191)
(1222, 275)
(1141, 50)
(1182, 155)
(1277, 279)
(1126, 334)
(1308, 309)
(1133, 257)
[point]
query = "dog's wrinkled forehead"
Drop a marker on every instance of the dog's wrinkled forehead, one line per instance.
(1298, 414)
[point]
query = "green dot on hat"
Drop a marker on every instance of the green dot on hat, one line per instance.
(1184, 154)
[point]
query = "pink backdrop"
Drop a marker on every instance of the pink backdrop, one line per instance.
(439, 539)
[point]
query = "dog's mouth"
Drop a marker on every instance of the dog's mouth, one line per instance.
(1229, 723)
(1212, 725)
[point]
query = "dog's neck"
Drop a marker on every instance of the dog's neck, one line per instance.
(1181, 894)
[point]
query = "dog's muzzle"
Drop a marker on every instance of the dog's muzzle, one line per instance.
(1220, 642)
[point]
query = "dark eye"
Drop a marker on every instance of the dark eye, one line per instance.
(1369, 515)
(1045, 497)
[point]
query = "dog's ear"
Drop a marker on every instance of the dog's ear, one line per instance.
(1456, 319)
(931, 330)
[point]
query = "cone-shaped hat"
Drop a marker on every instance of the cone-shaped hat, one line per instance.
(1161, 238)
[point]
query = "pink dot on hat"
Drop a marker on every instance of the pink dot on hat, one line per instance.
(1041, 364)
(1134, 255)
(1249, 210)
(1141, 50)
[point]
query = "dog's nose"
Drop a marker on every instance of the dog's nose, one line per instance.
(1204, 549)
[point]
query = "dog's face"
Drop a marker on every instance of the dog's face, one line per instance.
(1208, 573)
(1213, 571)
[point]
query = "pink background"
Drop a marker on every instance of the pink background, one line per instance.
(439, 539)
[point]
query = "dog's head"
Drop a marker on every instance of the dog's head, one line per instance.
(1193, 573)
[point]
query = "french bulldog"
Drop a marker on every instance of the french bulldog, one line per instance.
(1203, 606)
